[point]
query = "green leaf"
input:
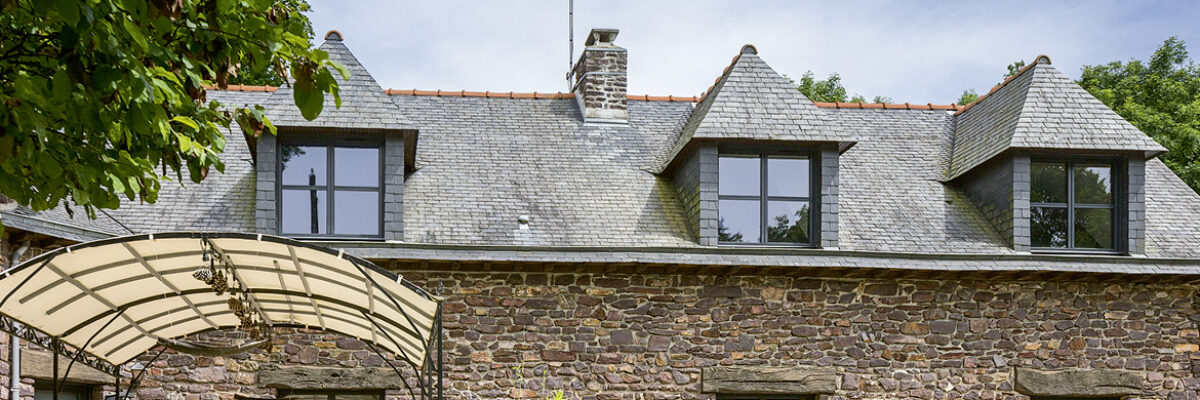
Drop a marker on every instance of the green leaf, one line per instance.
(186, 121)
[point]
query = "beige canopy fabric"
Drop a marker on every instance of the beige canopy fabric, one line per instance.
(116, 298)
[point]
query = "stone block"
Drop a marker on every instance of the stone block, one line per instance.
(768, 380)
(1077, 383)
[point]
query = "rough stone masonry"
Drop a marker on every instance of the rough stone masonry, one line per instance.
(628, 336)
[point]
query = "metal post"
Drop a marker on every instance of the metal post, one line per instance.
(54, 378)
(570, 41)
(439, 352)
(14, 369)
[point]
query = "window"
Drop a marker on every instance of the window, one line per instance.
(45, 391)
(330, 190)
(329, 395)
(765, 199)
(1073, 205)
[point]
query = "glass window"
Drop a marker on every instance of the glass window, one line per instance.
(330, 190)
(764, 199)
(69, 392)
(1072, 205)
(328, 395)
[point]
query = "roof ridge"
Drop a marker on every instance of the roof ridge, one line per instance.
(888, 106)
(1036, 60)
(243, 88)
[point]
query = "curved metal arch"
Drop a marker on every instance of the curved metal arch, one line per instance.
(366, 281)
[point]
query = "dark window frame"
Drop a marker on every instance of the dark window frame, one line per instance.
(84, 390)
(813, 199)
(332, 394)
(330, 188)
(741, 396)
(1117, 207)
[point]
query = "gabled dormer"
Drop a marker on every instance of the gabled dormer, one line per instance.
(341, 175)
(756, 162)
(1053, 168)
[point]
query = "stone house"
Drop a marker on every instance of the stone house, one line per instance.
(743, 244)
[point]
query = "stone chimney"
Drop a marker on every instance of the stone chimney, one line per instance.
(599, 79)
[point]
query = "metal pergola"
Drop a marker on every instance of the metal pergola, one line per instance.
(108, 302)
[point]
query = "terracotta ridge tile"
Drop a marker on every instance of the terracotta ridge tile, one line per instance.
(1036, 60)
(243, 88)
(886, 106)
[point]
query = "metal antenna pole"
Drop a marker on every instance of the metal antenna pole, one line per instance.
(570, 41)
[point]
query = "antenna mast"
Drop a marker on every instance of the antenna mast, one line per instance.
(570, 41)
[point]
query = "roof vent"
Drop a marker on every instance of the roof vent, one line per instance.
(601, 37)
(333, 35)
(523, 222)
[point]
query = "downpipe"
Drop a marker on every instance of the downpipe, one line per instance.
(14, 358)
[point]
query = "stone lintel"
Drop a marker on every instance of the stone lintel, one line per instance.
(40, 366)
(320, 378)
(1077, 383)
(768, 380)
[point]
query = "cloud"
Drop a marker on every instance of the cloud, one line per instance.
(910, 51)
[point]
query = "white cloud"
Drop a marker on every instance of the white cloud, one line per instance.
(910, 51)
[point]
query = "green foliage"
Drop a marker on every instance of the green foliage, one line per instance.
(968, 96)
(830, 90)
(100, 98)
(827, 90)
(265, 77)
(1161, 97)
(1014, 68)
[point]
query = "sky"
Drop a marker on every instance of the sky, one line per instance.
(916, 51)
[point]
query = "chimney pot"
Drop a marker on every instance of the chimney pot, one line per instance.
(601, 37)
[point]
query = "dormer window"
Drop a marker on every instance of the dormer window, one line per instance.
(330, 190)
(1073, 204)
(765, 198)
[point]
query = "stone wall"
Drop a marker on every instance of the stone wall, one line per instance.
(651, 337)
(626, 336)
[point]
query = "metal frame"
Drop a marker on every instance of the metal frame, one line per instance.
(429, 389)
(1115, 206)
(330, 188)
(764, 198)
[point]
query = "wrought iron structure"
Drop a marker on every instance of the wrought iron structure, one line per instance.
(271, 306)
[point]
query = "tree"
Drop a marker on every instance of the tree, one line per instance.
(969, 96)
(1014, 68)
(1160, 97)
(101, 98)
(830, 90)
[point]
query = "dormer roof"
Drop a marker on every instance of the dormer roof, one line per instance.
(365, 105)
(1040, 108)
(752, 101)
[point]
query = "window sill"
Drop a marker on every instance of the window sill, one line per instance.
(770, 245)
(1082, 252)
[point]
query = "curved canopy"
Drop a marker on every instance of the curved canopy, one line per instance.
(115, 299)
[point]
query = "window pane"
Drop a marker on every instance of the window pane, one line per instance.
(787, 177)
(356, 213)
(787, 221)
(356, 166)
(1048, 226)
(303, 212)
(739, 176)
(1048, 183)
(1093, 184)
(303, 165)
(1093, 228)
(738, 221)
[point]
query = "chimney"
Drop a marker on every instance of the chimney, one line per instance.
(600, 80)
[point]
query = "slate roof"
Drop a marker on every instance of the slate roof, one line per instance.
(365, 105)
(752, 101)
(482, 162)
(594, 194)
(1040, 108)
